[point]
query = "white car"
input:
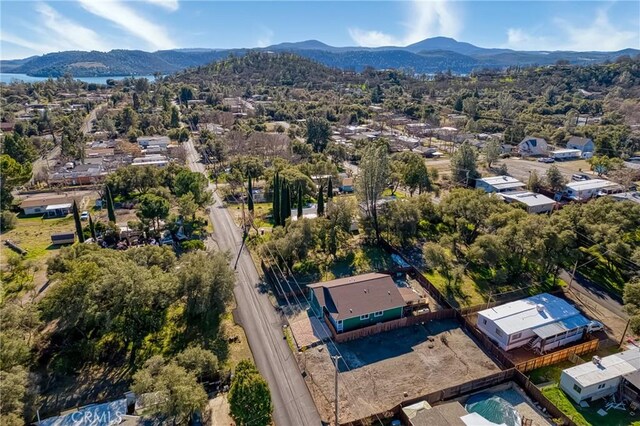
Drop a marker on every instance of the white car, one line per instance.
(594, 326)
(84, 215)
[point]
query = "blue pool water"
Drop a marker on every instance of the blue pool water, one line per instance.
(497, 407)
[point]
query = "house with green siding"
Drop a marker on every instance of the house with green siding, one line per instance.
(355, 302)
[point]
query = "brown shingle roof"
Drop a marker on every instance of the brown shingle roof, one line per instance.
(37, 201)
(354, 296)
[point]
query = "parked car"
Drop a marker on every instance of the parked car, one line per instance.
(594, 326)
(579, 178)
(546, 160)
(84, 215)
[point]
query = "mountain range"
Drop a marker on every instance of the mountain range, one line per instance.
(437, 54)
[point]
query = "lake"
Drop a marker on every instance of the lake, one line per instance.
(8, 78)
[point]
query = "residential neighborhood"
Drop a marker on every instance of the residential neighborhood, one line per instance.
(265, 238)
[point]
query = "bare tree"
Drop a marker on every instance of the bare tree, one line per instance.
(372, 180)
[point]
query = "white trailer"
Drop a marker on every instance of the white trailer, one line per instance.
(566, 154)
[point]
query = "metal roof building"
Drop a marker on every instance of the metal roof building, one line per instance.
(499, 184)
(601, 377)
(542, 322)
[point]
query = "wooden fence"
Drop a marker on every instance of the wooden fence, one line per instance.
(559, 356)
(348, 336)
(485, 343)
(465, 389)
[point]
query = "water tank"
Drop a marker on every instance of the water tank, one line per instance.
(540, 307)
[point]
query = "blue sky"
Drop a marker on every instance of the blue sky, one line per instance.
(36, 27)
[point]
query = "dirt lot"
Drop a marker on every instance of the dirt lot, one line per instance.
(519, 168)
(385, 369)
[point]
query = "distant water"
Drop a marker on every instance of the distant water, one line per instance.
(8, 78)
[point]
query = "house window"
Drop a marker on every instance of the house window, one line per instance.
(364, 317)
(498, 332)
(577, 388)
(484, 321)
(378, 314)
(601, 386)
(339, 322)
(516, 336)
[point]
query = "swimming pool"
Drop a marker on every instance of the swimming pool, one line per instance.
(497, 407)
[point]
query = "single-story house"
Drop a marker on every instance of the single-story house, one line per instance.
(634, 197)
(160, 141)
(532, 146)
(565, 154)
(583, 190)
(601, 377)
(347, 185)
(423, 414)
(534, 203)
(541, 323)
(583, 144)
(355, 302)
(51, 205)
(156, 160)
(499, 184)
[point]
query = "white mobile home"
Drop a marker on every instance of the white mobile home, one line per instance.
(534, 203)
(541, 323)
(583, 190)
(600, 377)
(566, 154)
(499, 184)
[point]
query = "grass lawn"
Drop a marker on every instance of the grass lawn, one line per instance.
(587, 416)
(549, 373)
(600, 272)
(467, 294)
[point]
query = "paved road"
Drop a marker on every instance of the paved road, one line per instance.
(596, 293)
(293, 405)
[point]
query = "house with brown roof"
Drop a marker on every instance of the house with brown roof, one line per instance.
(355, 302)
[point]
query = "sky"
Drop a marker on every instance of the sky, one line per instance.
(34, 27)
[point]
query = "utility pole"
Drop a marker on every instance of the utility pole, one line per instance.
(335, 359)
(624, 333)
(573, 274)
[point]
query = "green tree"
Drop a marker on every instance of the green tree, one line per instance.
(12, 174)
(19, 148)
(249, 194)
(206, 280)
(299, 204)
(111, 211)
(195, 183)
(438, 258)
(136, 102)
(201, 362)
(463, 165)
(177, 393)
(413, 172)
(175, 118)
(249, 396)
(13, 389)
(186, 94)
(92, 229)
(330, 189)
(318, 133)
(372, 180)
(187, 206)
(492, 151)
(320, 201)
(76, 220)
(377, 95)
(534, 183)
(555, 180)
(632, 303)
(154, 208)
(276, 200)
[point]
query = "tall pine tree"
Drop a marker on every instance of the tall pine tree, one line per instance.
(276, 200)
(321, 201)
(299, 201)
(250, 193)
(92, 228)
(111, 211)
(76, 219)
(330, 189)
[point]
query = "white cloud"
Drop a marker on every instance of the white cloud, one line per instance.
(426, 19)
(56, 33)
(265, 39)
(600, 35)
(171, 5)
(128, 19)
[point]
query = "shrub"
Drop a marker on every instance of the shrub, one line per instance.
(8, 221)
